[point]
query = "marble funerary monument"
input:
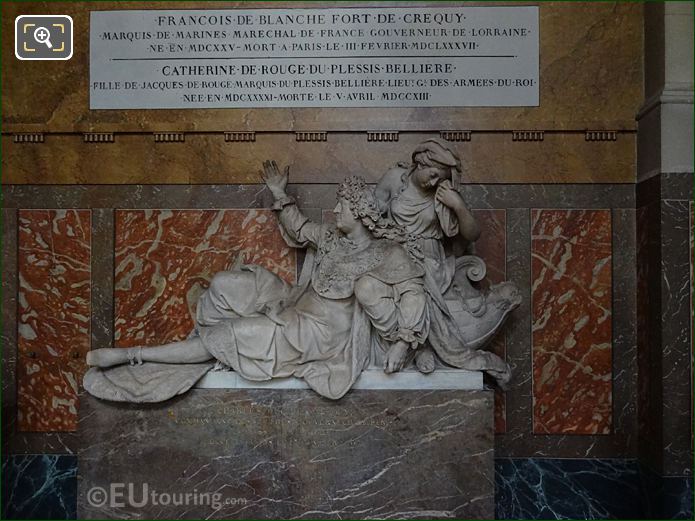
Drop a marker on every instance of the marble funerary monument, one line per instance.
(378, 294)
(320, 261)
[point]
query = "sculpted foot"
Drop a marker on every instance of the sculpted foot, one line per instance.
(107, 357)
(396, 357)
(424, 360)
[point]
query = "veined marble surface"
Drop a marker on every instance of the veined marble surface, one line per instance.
(164, 260)
(572, 311)
(290, 454)
(39, 486)
(530, 488)
(52, 321)
(44, 486)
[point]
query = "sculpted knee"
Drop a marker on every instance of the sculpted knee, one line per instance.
(418, 298)
(225, 281)
(369, 290)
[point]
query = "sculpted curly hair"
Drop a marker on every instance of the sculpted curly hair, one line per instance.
(363, 206)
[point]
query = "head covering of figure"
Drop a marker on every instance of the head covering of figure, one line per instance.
(435, 152)
(363, 206)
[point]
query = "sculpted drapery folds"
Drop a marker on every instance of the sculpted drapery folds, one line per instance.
(421, 198)
(360, 296)
(378, 287)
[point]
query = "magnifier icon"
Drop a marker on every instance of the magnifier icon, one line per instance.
(43, 35)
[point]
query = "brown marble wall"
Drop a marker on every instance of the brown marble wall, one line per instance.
(52, 316)
(590, 73)
(490, 157)
(572, 307)
(164, 260)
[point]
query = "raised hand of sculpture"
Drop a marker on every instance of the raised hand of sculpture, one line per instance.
(360, 291)
(420, 197)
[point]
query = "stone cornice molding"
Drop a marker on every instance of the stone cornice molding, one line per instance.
(670, 94)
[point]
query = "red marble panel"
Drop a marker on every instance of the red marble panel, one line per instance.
(166, 258)
(571, 321)
(53, 322)
(491, 247)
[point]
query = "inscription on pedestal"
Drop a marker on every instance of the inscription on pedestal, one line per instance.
(289, 454)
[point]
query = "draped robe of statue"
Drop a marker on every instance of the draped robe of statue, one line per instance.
(350, 301)
(461, 318)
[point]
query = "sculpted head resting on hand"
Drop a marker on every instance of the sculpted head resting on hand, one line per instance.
(433, 162)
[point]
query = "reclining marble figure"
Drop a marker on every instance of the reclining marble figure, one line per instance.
(364, 294)
(359, 291)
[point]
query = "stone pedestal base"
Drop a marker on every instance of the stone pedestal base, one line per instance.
(220, 454)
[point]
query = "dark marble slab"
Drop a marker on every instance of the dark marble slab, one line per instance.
(290, 454)
(316, 195)
(676, 337)
(651, 368)
(568, 489)
(648, 327)
(662, 498)
(528, 445)
(39, 486)
(667, 497)
(585, 196)
(9, 324)
(664, 323)
(624, 331)
(665, 186)
(17, 442)
(677, 185)
(648, 191)
(676, 498)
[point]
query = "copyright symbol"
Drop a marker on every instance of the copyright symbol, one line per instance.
(97, 496)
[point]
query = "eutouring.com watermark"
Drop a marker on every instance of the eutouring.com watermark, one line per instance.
(121, 495)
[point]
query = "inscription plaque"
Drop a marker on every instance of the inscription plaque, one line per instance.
(361, 57)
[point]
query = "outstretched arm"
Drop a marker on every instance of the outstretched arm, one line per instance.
(297, 230)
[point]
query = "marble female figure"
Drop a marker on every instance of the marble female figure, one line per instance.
(360, 291)
(421, 198)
